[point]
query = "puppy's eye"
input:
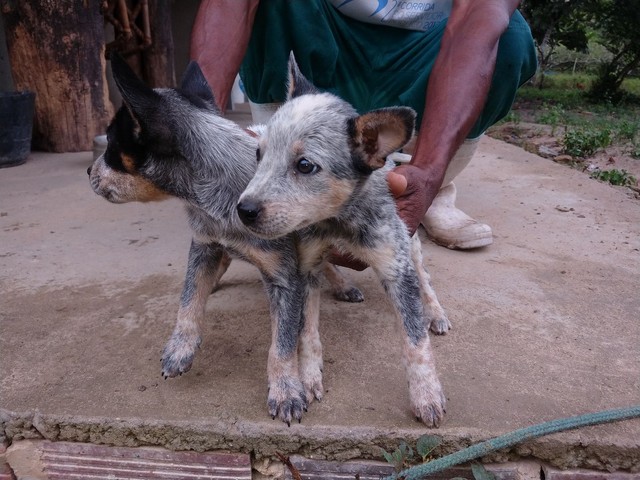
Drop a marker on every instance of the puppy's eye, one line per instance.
(258, 154)
(306, 167)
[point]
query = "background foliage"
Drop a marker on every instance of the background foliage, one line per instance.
(601, 36)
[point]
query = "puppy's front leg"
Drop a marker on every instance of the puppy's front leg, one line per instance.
(401, 283)
(310, 346)
(287, 399)
(207, 262)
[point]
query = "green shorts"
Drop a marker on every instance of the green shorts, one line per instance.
(370, 66)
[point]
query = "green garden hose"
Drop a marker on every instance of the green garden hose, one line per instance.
(484, 448)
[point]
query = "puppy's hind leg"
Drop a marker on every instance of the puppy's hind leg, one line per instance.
(220, 270)
(435, 314)
(202, 268)
(343, 290)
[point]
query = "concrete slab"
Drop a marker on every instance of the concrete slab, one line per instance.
(546, 325)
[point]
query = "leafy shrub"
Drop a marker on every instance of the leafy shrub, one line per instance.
(615, 177)
(553, 115)
(627, 130)
(400, 458)
(606, 86)
(511, 117)
(585, 142)
(403, 456)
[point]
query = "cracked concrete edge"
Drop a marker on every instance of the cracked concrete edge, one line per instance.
(264, 439)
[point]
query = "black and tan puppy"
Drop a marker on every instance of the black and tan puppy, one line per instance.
(173, 143)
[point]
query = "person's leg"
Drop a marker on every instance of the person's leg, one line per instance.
(370, 66)
(447, 225)
(262, 112)
(282, 26)
(444, 223)
(219, 38)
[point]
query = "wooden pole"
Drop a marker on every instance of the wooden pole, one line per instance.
(159, 69)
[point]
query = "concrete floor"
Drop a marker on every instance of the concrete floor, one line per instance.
(546, 325)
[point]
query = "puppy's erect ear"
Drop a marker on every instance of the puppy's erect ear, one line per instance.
(298, 84)
(378, 133)
(143, 103)
(195, 85)
(137, 96)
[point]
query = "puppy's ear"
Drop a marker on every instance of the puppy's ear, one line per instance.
(138, 97)
(379, 133)
(194, 84)
(143, 103)
(298, 84)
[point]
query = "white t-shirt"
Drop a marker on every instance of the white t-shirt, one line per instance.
(410, 14)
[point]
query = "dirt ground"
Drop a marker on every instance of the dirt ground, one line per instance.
(546, 141)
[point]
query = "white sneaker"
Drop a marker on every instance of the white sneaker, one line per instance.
(452, 228)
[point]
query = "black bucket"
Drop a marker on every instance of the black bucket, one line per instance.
(16, 123)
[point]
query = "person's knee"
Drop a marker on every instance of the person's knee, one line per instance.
(517, 58)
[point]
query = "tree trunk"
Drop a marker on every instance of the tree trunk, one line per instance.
(625, 70)
(56, 50)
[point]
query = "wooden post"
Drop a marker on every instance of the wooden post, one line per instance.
(56, 50)
(159, 69)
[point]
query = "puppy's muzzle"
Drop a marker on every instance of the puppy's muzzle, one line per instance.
(249, 211)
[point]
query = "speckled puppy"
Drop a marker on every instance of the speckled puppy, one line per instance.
(320, 172)
(167, 143)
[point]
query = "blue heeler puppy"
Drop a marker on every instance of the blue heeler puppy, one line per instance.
(322, 172)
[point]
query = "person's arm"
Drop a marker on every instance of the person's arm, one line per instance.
(219, 39)
(456, 94)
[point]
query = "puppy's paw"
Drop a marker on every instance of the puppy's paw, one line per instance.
(350, 294)
(428, 404)
(287, 399)
(310, 368)
(440, 325)
(178, 354)
(311, 376)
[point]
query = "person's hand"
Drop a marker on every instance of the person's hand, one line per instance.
(414, 190)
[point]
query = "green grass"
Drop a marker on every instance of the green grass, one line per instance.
(567, 84)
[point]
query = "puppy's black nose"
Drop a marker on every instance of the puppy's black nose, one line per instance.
(89, 171)
(248, 211)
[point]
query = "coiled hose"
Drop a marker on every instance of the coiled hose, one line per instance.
(484, 448)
